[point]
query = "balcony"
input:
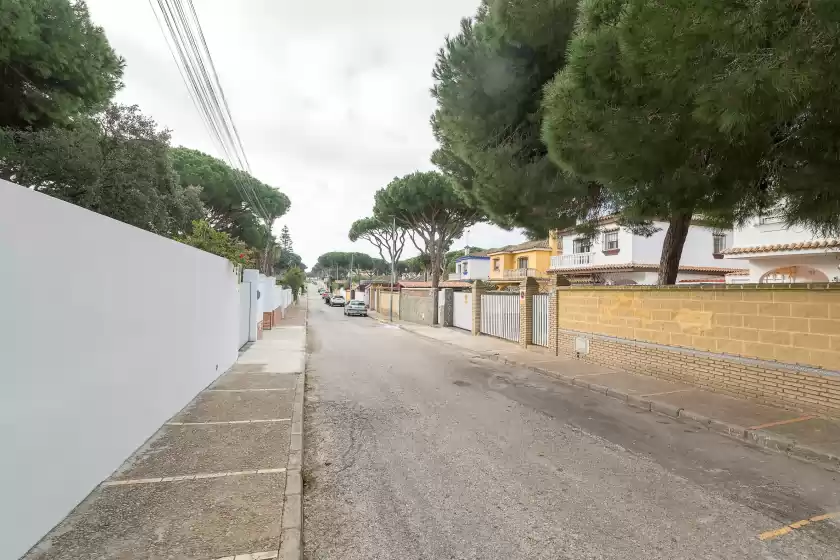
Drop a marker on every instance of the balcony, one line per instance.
(522, 273)
(454, 276)
(571, 261)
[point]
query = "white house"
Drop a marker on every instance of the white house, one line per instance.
(772, 252)
(617, 256)
(475, 266)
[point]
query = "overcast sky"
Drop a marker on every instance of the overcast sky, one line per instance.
(331, 98)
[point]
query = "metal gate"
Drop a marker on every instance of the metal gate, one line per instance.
(500, 315)
(462, 316)
(540, 331)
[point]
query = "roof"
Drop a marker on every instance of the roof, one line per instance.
(632, 267)
(826, 243)
(477, 255)
(443, 284)
(716, 280)
(538, 244)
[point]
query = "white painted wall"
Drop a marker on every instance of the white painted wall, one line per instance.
(754, 233)
(477, 269)
(106, 331)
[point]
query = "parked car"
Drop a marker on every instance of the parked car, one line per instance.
(356, 307)
(326, 296)
(337, 301)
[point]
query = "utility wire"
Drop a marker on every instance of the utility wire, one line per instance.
(205, 92)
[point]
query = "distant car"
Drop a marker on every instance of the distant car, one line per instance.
(356, 307)
(337, 301)
(326, 296)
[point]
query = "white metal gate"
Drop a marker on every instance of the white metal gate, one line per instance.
(462, 316)
(500, 315)
(540, 331)
(244, 312)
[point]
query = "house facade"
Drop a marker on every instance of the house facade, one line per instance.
(618, 256)
(471, 267)
(515, 262)
(773, 252)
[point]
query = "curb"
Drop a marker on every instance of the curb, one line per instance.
(291, 529)
(756, 438)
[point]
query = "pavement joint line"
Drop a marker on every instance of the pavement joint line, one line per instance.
(667, 392)
(219, 422)
(767, 535)
(267, 555)
(198, 476)
(782, 422)
(243, 390)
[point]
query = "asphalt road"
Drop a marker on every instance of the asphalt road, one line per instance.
(418, 450)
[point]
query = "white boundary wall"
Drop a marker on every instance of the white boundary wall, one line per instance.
(106, 331)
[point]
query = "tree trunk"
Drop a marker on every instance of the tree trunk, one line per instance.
(435, 284)
(672, 248)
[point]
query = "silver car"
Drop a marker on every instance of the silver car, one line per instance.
(356, 307)
(337, 300)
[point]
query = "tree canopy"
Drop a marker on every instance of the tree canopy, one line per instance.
(55, 63)
(427, 204)
(488, 87)
(115, 163)
(686, 108)
(230, 195)
(384, 234)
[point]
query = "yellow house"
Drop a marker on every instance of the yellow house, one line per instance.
(516, 262)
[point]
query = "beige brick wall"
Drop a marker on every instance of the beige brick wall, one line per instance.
(791, 325)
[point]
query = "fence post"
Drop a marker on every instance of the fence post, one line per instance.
(477, 290)
(448, 307)
(527, 290)
(553, 302)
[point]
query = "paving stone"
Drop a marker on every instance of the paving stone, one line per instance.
(226, 406)
(182, 450)
(190, 520)
(256, 381)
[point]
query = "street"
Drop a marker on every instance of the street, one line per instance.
(418, 450)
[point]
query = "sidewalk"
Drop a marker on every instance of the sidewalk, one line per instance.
(219, 481)
(806, 437)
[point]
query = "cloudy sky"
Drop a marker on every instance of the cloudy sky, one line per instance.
(331, 98)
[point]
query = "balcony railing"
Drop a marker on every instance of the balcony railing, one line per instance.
(520, 273)
(570, 261)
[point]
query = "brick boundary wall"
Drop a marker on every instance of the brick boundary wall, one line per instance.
(766, 343)
(268, 320)
(277, 317)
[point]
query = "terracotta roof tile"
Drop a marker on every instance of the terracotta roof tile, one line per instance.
(537, 244)
(632, 267)
(826, 243)
(442, 284)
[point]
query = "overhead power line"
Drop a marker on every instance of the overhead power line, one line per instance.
(185, 40)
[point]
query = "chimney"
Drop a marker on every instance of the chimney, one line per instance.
(553, 243)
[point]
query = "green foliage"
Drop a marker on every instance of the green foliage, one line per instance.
(382, 233)
(295, 279)
(221, 191)
(115, 163)
(700, 107)
(204, 237)
(337, 263)
(54, 63)
(488, 87)
(427, 204)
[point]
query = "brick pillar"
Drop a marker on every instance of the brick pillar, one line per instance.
(527, 290)
(448, 307)
(477, 290)
(553, 301)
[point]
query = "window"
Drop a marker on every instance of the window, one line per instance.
(496, 263)
(772, 215)
(581, 245)
(464, 269)
(458, 268)
(522, 263)
(611, 240)
(718, 243)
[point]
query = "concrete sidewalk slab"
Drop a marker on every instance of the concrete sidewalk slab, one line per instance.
(273, 360)
(633, 384)
(211, 448)
(818, 434)
(724, 408)
(188, 520)
(256, 381)
(226, 407)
